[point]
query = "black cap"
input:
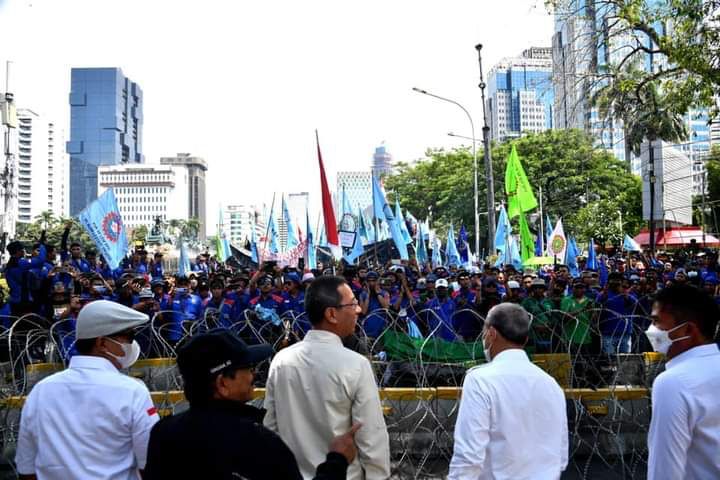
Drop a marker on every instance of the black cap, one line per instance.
(208, 354)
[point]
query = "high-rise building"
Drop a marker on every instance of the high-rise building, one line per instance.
(358, 188)
(520, 94)
(382, 161)
(196, 168)
(146, 192)
(106, 120)
(588, 41)
(41, 167)
(297, 204)
(238, 222)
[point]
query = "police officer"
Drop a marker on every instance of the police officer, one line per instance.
(220, 436)
(90, 421)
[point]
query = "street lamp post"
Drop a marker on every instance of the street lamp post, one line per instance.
(475, 164)
(488, 161)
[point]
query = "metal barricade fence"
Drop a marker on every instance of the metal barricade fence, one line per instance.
(419, 379)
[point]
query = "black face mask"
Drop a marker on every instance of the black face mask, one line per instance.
(441, 294)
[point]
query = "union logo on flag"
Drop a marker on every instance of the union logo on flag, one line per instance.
(112, 226)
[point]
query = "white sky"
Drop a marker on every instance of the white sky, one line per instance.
(245, 83)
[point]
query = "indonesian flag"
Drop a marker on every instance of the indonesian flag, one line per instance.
(328, 212)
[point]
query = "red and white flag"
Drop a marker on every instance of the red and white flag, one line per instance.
(328, 212)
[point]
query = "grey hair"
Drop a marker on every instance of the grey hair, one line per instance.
(510, 320)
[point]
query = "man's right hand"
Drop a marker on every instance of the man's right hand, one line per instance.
(345, 444)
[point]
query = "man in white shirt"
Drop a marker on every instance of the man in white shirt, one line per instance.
(90, 421)
(512, 422)
(684, 437)
(317, 389)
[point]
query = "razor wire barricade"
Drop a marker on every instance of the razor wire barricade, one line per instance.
(419, 373)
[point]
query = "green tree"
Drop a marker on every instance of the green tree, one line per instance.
(140, 233)
(564, 163)
(681, 37)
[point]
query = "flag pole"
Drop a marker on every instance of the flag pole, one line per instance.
(267, 227)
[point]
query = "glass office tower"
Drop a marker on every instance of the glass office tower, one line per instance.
(105, 128)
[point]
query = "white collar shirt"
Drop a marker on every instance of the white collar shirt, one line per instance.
(89, 421)
(684, 437)
(316, 390)
(512, 422)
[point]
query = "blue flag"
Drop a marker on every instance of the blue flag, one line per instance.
(102, 221)
(462, 244)
(381, 207)
(631, 245)
(436, 255)
(514, 258)
(572, 253)
(538, 245)
(503, 230)
(184, 262)
(253, 244)
(603, 274)
(272, 243)
(592, 263)
(292, 236)
(345, 209)
(451, 252)
(401, 223)
(364, 233)
(420, 251)
(357, 248)
(548, 231)
(310, 257)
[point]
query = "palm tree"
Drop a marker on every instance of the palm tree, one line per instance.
(46, 219)
(647, 116)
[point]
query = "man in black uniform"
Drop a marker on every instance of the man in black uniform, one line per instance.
(220, 437)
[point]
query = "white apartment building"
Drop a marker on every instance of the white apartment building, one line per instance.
(42, 173)
(145, 192)
(238, 221)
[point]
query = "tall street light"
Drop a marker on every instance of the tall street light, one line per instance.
(475, 163)
(488, 161)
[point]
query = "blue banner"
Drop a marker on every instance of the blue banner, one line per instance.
(102, 220)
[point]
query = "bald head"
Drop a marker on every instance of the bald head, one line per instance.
(511, 321)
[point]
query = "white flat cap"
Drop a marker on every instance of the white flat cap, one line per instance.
(102, 318)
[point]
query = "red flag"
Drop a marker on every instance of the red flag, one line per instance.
(328, 212)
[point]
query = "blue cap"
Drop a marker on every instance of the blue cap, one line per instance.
(372, 275)
(292, 277)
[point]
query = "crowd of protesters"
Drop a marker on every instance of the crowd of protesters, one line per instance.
(321, 396)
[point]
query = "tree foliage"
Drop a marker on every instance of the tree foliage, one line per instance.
(680, 37)
(564, 163)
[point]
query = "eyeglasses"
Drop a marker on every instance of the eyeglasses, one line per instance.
(354, 304)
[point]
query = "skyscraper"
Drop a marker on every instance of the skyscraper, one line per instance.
(588, 42)
(382, 161)
(106, 119)
(520, 94)
(196, 168)
(358, 188)
(41, 167)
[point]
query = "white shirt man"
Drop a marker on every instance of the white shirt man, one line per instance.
(684, 436)
(512, 422)
(90, 421)
(317, 389)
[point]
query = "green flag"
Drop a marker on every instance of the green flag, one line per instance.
(517, 187)
(527, 246)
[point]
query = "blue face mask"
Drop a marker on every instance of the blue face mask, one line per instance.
(101, 289)
(181, 291)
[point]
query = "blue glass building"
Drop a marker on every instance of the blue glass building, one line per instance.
(106, 118)
(520, 95)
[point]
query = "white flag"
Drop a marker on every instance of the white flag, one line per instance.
(557, 246)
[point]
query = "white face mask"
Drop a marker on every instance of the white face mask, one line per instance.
(131, 351)
(660, 339)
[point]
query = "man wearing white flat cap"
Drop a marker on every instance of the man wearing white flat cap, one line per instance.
(90, 421)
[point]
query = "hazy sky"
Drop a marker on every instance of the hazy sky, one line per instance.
(244, 84)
